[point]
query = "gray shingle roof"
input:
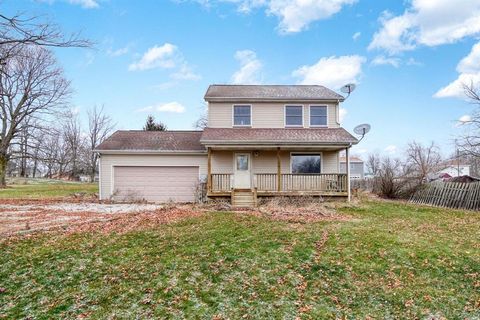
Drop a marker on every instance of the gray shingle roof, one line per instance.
(220, 92)
(139, 140)
(277, 136)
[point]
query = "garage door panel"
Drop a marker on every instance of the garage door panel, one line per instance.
(158, 184)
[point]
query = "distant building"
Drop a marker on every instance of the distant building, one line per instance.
(357, 171)
(453, 168)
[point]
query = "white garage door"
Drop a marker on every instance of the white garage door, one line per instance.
(156, 184)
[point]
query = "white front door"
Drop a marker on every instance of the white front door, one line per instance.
(242, 171)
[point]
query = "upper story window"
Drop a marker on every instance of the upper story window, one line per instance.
(294, 116)
(242, 115)
(318, 116)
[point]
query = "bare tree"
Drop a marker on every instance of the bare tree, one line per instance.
(74, 142)
(100, 126)
(394, 179)
(424, 160)
(373, 163)
(19, 30)
(31, 86)
(201, 123)
(469, 142)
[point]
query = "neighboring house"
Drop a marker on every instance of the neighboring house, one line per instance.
(356, 167)
(453, 168)
(261, 140)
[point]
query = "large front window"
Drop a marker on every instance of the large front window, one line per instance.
(294, 116)
(306, 163)
(242, 115)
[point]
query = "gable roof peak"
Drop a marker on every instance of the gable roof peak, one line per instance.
(270, 92)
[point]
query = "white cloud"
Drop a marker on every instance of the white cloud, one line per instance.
(332, 72)
(250, 68)
(164, 57)
(294, 15)
(391, 149)
(469, 73)
(341, 114)
(173, 107)
(356, 35)
(382, 60)
(428, 23)
(465, 118)
(87, 4)
(167, 56)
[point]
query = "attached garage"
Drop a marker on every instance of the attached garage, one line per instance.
(156, 166)
(155, 183)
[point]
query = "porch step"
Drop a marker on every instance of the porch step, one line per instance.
(243, 199)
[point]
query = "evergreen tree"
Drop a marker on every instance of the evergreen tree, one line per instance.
(151, 125)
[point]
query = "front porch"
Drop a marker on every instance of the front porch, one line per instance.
(283, 184)
(267, 172)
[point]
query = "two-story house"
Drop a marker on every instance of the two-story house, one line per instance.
(357, 167)
(260, 141)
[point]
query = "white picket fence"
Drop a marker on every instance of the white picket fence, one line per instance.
(455, 195)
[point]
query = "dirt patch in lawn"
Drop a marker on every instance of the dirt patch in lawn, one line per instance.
(17, 218)
(122, 223)
(302, 210)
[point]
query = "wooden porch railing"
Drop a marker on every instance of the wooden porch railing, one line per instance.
(289, 182)
(221, 182)
(301, 182)
(266, 182)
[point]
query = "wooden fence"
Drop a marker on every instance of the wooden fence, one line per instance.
(455, 195)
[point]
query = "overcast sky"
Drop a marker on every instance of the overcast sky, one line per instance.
(408, 58)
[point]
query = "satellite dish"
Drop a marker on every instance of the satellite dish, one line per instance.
(362, 129)
(348, 88)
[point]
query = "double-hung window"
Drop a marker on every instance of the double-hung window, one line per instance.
(318, 116)
(242, 115)
(306, 163)
(294, 116)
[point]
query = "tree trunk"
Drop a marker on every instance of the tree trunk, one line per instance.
(35, 164)
(3, 170)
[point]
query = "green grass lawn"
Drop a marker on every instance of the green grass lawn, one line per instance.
(45, 188)
(390, 261)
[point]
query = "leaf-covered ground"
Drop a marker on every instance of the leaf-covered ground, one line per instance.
(389, 261)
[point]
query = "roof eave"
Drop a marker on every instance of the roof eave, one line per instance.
(134, 151)
(256, 99)
(270, 142)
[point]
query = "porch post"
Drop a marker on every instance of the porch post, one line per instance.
(279, 171)
(209, 170)
(347, 158)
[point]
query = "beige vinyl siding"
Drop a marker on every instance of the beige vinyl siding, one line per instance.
(220, 115)
(330, 162)
(108, 161)
(222, 161)
(266, 161)
(265, 114)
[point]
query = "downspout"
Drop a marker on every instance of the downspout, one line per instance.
(99, 176)
(347, 159)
